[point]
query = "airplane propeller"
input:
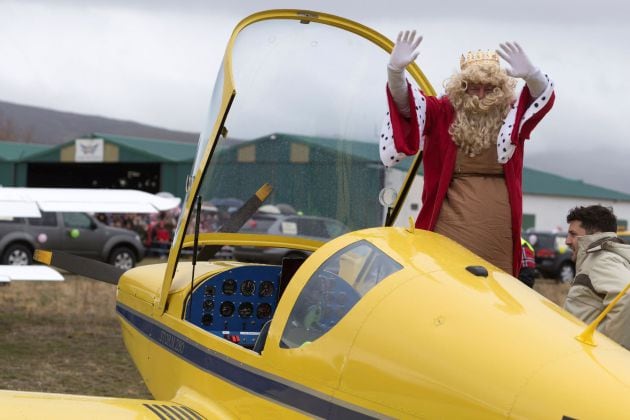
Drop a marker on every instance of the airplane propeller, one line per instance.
(238, 219)
(87, 267)
(107, 273)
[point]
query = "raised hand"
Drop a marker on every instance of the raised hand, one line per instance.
(405, 50)
(513, 54)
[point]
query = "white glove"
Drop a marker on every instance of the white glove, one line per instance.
(404, 51)
(515, 56)
(521, 67)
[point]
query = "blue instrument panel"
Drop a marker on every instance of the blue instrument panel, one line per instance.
(235, 304)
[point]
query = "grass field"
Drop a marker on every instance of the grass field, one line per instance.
(64, 337)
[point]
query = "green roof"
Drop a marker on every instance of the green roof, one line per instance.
(535, 182)
(360, 149)
(163, 149)
(14, 151)
(150, 149)
(544, 183)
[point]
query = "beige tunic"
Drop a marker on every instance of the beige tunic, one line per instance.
(476, 210)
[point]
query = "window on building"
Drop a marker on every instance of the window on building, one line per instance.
(529, 221)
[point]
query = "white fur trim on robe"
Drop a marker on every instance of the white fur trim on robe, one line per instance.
(387, 148)
(505, 146)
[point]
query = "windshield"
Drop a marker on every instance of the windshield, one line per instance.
(306, 119)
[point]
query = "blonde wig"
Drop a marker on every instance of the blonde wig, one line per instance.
(478, 121)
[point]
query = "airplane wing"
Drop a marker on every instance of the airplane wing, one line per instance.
(34, 405)
(28, 202)
(10, 273)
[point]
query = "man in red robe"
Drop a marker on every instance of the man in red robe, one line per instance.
(480, 110)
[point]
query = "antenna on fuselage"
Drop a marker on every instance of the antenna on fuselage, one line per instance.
(194, 255)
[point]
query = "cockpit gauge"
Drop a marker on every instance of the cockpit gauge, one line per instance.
(263, 311)
(227, 309)
(209, 290)
(206, 319)
(245, 309)
(248, 287)
(266, 289)
(229, 287)
(208, 305)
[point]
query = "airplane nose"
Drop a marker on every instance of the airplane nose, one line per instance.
(589, 384)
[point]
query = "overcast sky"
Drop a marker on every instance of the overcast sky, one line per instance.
(155, 61)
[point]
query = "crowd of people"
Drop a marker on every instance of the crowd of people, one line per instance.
(155, 229)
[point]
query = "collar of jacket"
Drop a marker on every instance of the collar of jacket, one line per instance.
(607, 241)
(591, 243)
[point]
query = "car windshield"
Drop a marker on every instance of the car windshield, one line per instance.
(260, 224)
(306, 119)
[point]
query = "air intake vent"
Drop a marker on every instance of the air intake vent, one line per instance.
(173, 412)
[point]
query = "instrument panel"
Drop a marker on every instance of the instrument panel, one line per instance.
(235, 304)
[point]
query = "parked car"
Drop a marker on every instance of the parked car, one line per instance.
(553, 256)
(624, 235)
(75, 233)
(309, 227)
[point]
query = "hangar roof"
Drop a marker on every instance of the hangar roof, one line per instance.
(535, 182)
(545, 183)
(176, 151)
(131, 149)
(14, 151)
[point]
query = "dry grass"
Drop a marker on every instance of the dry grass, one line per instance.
(65, 337)
(552, 289)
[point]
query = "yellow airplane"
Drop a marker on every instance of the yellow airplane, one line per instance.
(381, 322)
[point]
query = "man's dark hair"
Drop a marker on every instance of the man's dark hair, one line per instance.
(594, 218)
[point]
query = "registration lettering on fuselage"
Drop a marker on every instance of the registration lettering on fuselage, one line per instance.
(172, 342)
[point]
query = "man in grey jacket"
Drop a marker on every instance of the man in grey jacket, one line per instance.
(602, 266)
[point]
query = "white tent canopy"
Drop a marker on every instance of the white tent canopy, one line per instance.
(28, 202)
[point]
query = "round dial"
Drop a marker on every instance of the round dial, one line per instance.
(227, 309)
(208, 305)
(209, 291)
(248, 287)
(263, 311)
(206, 319)
(229, 287)
(266, 289)
(245, 309)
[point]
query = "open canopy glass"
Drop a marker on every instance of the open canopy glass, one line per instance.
(304, 116)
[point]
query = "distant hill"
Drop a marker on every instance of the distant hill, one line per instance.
(40, 125)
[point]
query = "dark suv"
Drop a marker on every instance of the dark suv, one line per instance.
(553, 256)
(309, 227)
(75, 233)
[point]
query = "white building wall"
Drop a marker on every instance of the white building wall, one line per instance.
(551, 212)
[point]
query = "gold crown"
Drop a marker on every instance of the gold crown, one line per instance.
(478, 57)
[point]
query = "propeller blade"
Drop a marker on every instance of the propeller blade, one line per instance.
(87, 267)
(238, 219)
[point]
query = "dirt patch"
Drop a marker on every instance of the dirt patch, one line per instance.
(64, 337)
